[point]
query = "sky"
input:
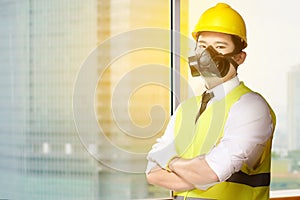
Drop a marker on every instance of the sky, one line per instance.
(273, 39)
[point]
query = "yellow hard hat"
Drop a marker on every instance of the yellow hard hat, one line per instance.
(223, 19)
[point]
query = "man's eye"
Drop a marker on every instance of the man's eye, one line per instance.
(202, 46)
(220, 47)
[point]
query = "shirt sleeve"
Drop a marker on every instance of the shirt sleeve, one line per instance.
(166, 138)
(248, 127)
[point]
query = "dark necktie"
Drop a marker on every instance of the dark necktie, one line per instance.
(205, 99)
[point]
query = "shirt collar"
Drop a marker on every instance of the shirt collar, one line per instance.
(223, 89)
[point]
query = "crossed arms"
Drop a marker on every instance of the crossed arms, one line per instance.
(185, 174)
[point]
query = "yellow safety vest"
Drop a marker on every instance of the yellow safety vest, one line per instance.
(196, 139)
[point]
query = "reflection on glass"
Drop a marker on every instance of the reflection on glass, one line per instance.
(44, 46)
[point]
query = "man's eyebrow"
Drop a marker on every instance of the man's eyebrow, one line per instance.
(221, 42)
(202, 41)
(218, 42)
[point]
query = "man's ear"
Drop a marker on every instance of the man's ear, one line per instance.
(240, 57)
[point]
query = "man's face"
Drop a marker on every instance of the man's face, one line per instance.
(223, 44)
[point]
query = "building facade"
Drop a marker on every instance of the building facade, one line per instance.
(44, 45)
(293, 108)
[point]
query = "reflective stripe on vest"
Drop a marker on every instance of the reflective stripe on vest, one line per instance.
(189, 198)
(255, 180)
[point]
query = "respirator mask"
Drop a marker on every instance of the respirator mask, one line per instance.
(210, 63)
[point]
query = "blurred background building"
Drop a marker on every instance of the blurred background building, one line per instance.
(43, 45)
(293, 108)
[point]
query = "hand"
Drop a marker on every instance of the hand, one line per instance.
(162, 154)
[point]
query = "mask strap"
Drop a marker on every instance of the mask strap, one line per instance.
(233, 63)
(229, 58)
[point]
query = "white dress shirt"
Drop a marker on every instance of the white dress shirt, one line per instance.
(247, 129)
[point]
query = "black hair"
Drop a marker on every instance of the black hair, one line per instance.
(239, 44)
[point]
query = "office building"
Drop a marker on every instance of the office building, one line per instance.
(293, 108)
(44, 45)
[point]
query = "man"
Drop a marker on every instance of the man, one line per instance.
(222, 151)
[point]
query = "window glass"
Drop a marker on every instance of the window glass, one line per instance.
(84, 94)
